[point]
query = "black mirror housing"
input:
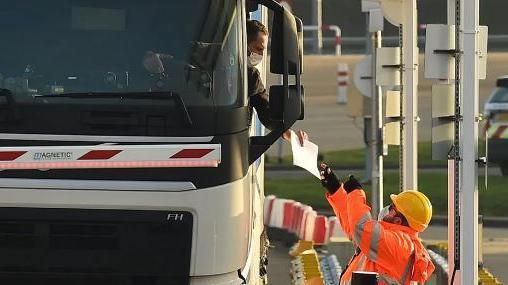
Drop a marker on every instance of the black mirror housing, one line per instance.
(284, 111)
(286, 43)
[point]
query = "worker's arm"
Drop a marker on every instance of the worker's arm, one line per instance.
(338, 201)
(336, 196)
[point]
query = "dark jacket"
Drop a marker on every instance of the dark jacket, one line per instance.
(258, 97)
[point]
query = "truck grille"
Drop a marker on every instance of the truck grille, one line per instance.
(93, 247)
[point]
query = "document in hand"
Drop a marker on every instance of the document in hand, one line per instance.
(305, 156)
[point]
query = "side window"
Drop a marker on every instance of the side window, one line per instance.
(227, 75)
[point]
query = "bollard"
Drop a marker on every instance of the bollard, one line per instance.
(342, 82)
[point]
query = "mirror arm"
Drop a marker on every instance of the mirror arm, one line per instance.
(272, 5)
(260, 144)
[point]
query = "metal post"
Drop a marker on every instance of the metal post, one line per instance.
(469, 143)
(338, 38)
(410, 95)
(454, 167)
(376, 144)
(366, 110)
(280, 143)
(317, 20)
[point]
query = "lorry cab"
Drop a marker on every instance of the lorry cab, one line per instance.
(126, 151)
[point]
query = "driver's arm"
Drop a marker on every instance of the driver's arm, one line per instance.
(258, 96)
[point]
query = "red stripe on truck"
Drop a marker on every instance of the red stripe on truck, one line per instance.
(192, 153)
(10, 155)
(99, 154)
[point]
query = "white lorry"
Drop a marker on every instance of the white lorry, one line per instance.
(127, 153)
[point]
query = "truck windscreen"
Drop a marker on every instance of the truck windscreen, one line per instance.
(60, 47)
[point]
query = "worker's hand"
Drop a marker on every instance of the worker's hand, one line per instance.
(352, 184)
(328, 178)
(302, 136)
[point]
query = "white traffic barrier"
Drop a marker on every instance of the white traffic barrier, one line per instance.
(289, 213)
(277, 215)
(310, 223)
(267, 209)
(335, 229)
(295, 211)
(321, 230)
(303, 221)
(342, 82)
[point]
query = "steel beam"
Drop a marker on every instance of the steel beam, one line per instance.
(376, 145)
(469, 143)
(410, 97)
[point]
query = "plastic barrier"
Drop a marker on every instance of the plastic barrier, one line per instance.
(310, 223)
(303, 222)
(298, 219)
(277, 215)
(267, 209)
(321, 230)
(331, 270)
(289, 211)
(297, 215)
(335, 228)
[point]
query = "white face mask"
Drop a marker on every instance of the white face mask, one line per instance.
(382, 214)
(255, 58)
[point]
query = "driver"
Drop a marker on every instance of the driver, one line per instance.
(257, 41)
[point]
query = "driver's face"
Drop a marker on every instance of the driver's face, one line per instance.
(259, 45)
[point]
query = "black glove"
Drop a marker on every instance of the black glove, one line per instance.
(328, 179)
(352, 184)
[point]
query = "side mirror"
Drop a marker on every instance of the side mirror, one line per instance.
(252, 5)
(286, 44)
(285, 110)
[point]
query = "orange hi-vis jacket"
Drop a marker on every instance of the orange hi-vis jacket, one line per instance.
(395, 252)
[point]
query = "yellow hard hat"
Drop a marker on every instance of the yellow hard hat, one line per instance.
(415, 207)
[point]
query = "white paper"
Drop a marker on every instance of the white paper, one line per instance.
(305, 156)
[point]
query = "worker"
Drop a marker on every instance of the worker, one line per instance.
(257, 41)
(390, 245)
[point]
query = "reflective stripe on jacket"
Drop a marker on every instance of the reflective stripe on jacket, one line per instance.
(393, 251)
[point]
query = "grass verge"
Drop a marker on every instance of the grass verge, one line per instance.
(492, 202)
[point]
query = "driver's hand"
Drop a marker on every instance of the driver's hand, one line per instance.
(153, 63)
(302, 136)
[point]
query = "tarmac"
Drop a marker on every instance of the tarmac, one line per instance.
(495, 253)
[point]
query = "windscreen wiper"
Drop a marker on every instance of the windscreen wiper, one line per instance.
(131, 95)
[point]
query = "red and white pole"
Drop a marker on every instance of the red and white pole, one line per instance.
(342, 82)
(338, 37)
